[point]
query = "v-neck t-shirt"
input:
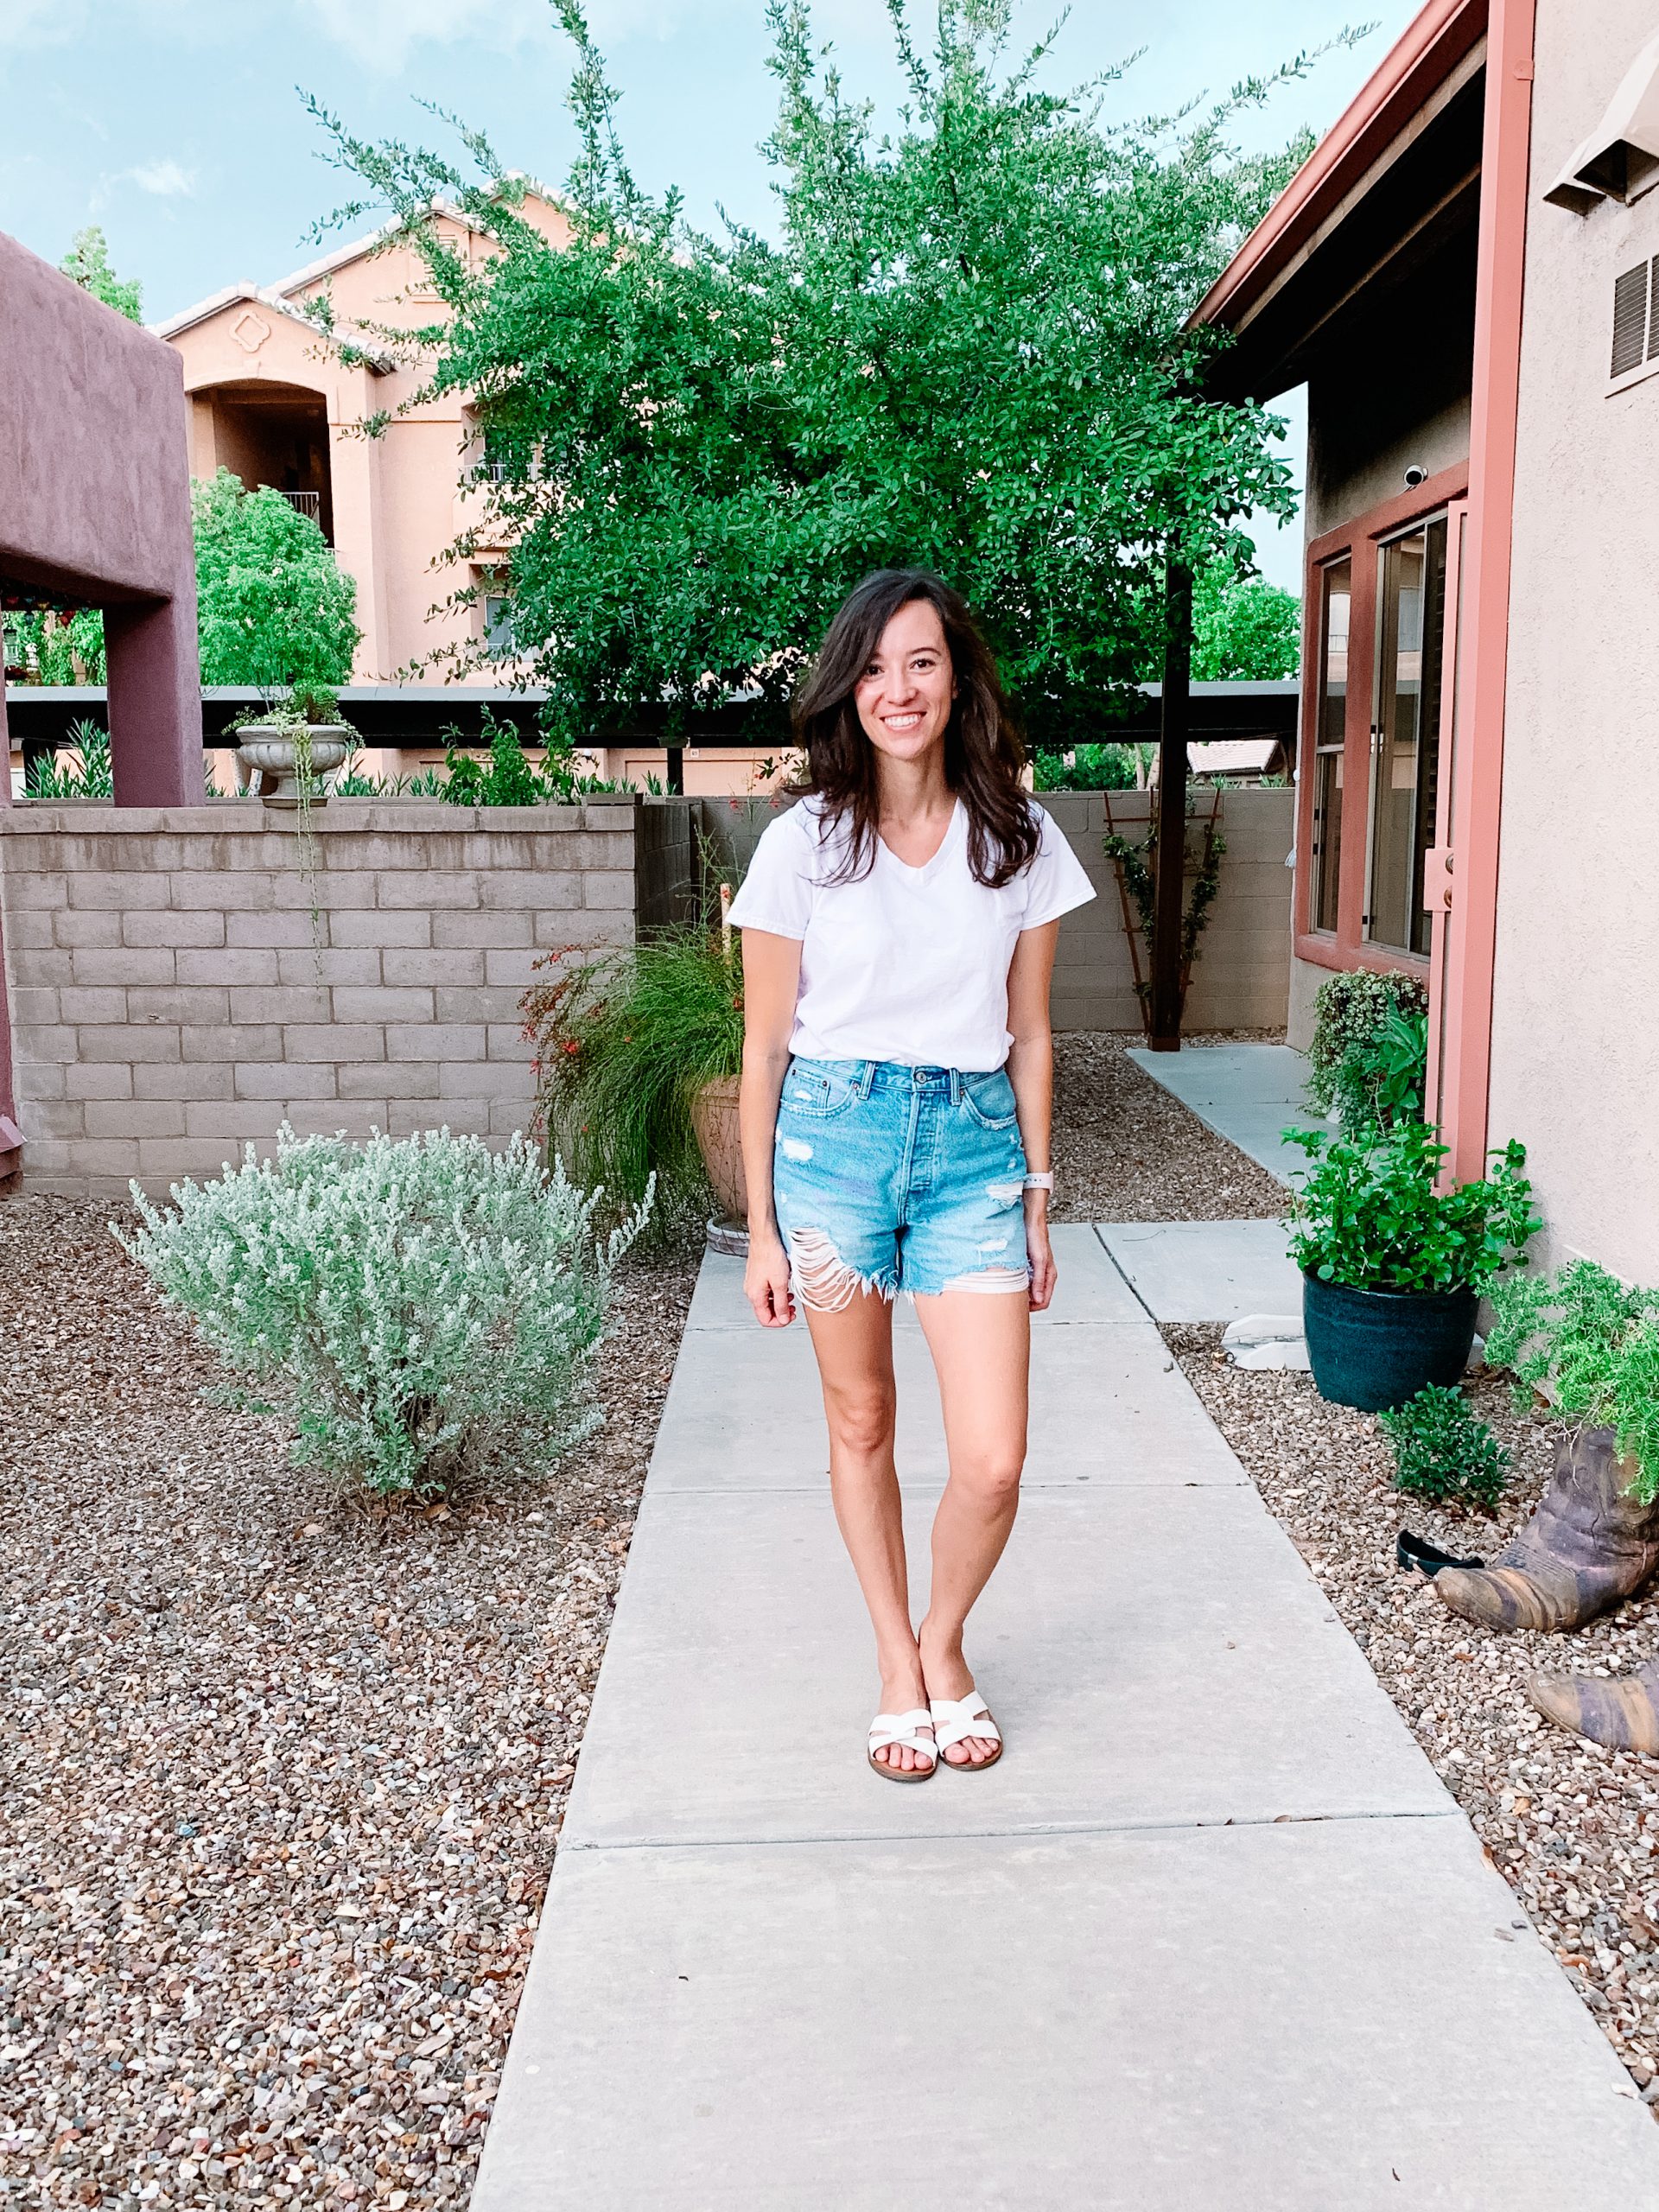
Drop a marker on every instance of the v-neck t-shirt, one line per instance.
(906, 964)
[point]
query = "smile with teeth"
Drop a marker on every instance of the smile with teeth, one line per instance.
(901, 721)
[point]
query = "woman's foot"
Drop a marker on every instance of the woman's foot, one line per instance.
(948, 1675)
(903, 1692)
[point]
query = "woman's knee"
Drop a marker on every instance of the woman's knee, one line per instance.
(860, 1421)
(991, 1475)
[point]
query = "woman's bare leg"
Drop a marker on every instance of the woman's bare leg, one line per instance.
(981, 1343)
(855, 1350)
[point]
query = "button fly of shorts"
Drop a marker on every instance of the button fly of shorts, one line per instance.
(930, 1099)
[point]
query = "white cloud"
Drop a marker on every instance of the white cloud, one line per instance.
(166, 178)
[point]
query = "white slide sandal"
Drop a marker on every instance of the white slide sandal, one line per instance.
(956, 1719)
(906, 1730)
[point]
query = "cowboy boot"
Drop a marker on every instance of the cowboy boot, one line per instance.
(1589, 1546)
(1624, 1715)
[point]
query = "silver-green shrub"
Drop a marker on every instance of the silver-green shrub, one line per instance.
(416, 1309)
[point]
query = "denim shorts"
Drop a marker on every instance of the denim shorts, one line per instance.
(889, 1178)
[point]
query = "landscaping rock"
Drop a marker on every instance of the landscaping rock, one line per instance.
(1573, 1828)
(281, 1775)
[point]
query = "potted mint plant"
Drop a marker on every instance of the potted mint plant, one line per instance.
(1393, 1268)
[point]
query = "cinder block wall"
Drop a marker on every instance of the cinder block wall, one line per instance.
(1242, 978)
(171, 996)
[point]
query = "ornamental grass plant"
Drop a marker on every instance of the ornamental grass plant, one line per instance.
(419, 1311)
(624, 1041)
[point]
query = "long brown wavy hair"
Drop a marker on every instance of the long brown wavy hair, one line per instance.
(983, 752)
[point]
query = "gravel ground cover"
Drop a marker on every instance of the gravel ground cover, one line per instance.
(1572, 1827)
(1125, 1150)
(281, 1778)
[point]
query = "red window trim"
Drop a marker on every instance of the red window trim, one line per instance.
(1347, 947)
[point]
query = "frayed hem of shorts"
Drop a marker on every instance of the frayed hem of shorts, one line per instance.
(824, 1282)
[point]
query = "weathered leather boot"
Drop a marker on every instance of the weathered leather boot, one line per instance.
(1588, 1547)
(1624, 1715)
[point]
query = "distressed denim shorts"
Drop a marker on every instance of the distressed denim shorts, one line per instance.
(888, 1177)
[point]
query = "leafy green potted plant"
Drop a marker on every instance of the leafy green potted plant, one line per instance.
(1393, 1269)
(292, 744)
(637, 1055)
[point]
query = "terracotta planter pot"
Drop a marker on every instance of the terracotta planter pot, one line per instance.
(713, 1118)
(270, 756)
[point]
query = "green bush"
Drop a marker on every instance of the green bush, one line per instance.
(509, 776)
(417, 1310)
(1367, 1213)
(1368, 1060)
(1444, 1452)
(623, 1042)
(1090, 768)
(1592, 1343)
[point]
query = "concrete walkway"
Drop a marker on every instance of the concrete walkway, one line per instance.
(1247, 1093)
(1212, 1937)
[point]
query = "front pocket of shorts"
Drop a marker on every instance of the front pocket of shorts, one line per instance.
(989, 1099)
(816, 1097)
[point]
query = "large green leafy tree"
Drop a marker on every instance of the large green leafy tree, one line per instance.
(1243, 627)
(963, 346)
(88, 262)
(274, 605)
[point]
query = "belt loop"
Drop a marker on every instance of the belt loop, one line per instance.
(955, 1086)
(865, 1077)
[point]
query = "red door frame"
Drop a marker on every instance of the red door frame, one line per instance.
(1359, 538)
(1466, 1069)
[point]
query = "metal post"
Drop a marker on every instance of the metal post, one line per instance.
(1168, 892)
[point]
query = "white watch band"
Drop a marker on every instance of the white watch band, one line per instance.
(1043, 1182)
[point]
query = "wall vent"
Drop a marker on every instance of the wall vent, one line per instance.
(1630, 319)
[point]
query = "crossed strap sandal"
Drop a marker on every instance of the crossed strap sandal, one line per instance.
(906, 1730)
(956, 1719)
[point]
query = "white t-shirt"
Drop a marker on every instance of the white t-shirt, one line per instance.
(904, 963)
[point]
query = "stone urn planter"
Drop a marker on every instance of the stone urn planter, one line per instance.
(1376, 1348)
(271, 757)
(713, 1119)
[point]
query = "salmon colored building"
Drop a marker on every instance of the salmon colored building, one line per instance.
(1464, 275)
(274, 398)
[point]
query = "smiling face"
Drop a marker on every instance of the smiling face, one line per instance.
(904, 695)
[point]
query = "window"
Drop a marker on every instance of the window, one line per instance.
(1405, 733)
(1327, 854)
(498, 625)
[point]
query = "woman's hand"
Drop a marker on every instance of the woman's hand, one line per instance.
(765, 1279)
(1044, 1272)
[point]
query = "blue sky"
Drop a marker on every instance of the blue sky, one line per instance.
(176, 124)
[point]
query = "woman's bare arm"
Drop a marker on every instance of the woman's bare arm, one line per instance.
(1031, 1071)
(772, 976)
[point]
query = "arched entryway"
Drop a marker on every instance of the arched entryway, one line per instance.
(268, 434)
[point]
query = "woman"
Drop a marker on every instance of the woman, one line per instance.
(898, 929)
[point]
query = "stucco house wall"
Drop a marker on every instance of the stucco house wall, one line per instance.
(1575, 1019)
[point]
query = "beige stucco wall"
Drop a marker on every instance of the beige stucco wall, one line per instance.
(1575, 1026)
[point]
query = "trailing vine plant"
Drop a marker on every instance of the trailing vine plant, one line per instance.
(1136, 866)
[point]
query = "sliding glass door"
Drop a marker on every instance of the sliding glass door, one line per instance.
(1405, 733)
(1336, 599)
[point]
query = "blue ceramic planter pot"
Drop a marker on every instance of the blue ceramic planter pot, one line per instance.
(1377, 1348)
